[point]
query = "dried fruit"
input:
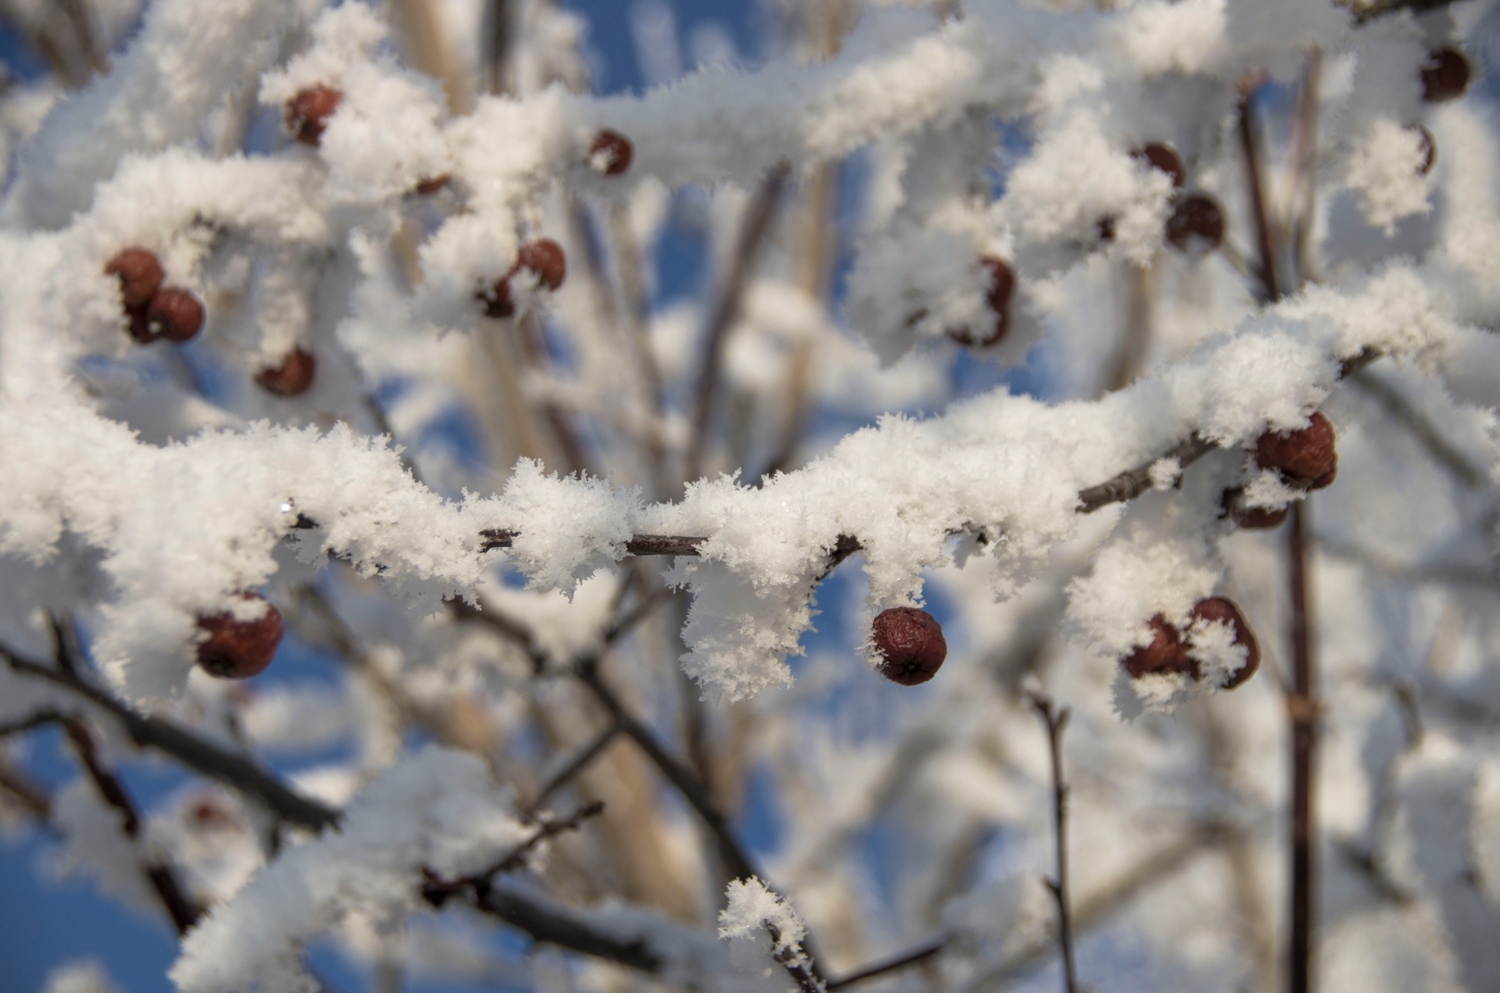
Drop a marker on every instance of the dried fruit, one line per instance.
(1002, 286)
(1165, 652)
(427, 187)
(237, 649)
(610, 153)
(1165, 158)
(1445, 75)
(293, 377)
(1305, 457)
(1196, 224)
(175, 315)
(1220, 610)
(1252, 518)
(910, 644)
(308, 112)
(543, 257)
(140, 275)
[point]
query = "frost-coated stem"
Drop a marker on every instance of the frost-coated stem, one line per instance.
(160, 875)
(1302, 710)
(794, 960)
(1055, 720)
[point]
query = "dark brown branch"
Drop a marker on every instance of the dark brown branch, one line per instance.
(163, 880)
(902, 960)
(794, 960)
(574, 766)
(28, 795)
(1055, 721)
(1367, 12)
(557, 925)
(727, 308)
(193, 751)
(1255, 182)
(1302, 713)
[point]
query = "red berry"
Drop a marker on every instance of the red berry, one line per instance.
(238, 649)
(1445, 75)
(1164, 158)
(175, 315)
(293, 377)
(1165, 652)
(140, 275)
(910, 644)
(1305, 457)
(543, 257)
(1253, 518)
(1218, 609)
(610, 153)
(1196, 223)
(427, 187)
(1002, 286)
(308, 112)
(1426, 147)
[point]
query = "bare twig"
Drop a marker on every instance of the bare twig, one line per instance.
(1302, 713)
(736, 862)
(31, 797)
(193, 751)
(437, 890)
(182, 912)
(1055, 721)
(902, 960)
(1422, 429)
(726, 308)
(573, 767)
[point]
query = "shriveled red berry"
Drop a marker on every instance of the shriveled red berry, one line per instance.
(1164, 158)
(1002, 286)
(1445, 75)
(427, 187)
(610, 153)
(237, 649)
(140, 275)
(308, 112)
(1426, 147)
(543, 257)
(175, 315)
(1196, 224)
(910, 644)
(1165, 652)
(292, 377)
(1253, 518)
(1305, 457)
(1217, 610)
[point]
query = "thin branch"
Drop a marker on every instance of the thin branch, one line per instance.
(1373, 9)
(193, 751)
(736, 862)
(902, 960)
(1421, 428)
(182, 912)
(31, 722)
(28, 795)
(557, 925)
(1263, 234)
(1055, 721)
(580, 761)
(437, 890)
(794, 960)
(726, 309)
(1302, 714)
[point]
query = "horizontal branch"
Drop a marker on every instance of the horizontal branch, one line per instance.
(193, 751)
(901, 960)
(557, 925)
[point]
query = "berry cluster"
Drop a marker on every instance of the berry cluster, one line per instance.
(1167, 651)
(1196, 223)
(1305, 458)
(155, 311)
